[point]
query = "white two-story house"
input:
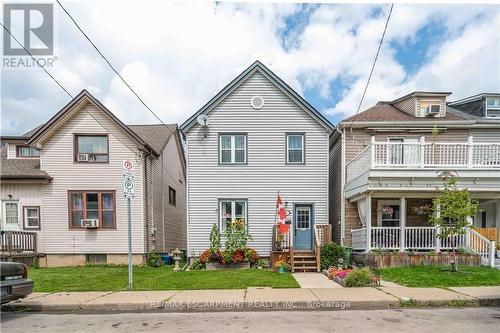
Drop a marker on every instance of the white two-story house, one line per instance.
(254, 138)
(62, 195)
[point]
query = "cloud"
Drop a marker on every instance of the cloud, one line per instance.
(178, 55)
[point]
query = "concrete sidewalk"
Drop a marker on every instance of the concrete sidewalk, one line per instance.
(258, 299)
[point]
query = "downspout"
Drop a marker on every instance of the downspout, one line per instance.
(146, 203)
(342, 186)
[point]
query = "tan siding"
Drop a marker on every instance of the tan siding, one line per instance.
(27, 195)
(266, 172)
(57, 160)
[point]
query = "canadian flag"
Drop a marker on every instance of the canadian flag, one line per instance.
(280, 210)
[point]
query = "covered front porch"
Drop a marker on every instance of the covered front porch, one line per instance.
(399, 223)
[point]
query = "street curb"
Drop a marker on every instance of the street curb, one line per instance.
(243, 306)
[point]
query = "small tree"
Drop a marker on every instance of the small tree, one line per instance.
(450, 212)
(214, 239)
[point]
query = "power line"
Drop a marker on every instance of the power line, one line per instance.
(35, 60)
(61, 86)
(373, 66)
(111, 66)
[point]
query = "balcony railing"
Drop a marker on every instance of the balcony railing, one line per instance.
(424, 155)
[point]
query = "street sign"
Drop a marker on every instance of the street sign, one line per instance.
(128, 179)
(128, 192)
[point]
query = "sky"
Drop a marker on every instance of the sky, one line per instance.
(177, 55)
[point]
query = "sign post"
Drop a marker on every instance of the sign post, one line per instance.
(128, 192)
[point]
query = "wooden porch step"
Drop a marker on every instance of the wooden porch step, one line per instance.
(312, 262)
(304, 256)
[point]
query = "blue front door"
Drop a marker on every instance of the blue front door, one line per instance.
(303, 223)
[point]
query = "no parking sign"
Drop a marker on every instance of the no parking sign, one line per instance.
(128, 179)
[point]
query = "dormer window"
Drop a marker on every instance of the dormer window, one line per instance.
(91, 148)
(430, 109)
(25, 151)
(492, 107)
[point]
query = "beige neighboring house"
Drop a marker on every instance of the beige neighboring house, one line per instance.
(62, 189)
(388, 160)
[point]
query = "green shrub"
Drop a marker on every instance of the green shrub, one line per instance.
(154, 260)
(196, 264)
(359, 277)
(330, 254)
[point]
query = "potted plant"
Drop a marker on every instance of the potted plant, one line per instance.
(283, 267)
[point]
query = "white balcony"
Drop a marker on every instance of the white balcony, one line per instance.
(403, 165)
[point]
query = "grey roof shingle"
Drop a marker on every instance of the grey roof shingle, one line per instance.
(156, 136)
(22, 168)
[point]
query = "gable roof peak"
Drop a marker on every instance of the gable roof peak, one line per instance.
(275, 80)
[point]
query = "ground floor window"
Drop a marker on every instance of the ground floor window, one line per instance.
(232, 210)
(99, 205)
(31, 217)
(388, 213)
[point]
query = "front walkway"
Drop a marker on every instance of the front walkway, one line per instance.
(314, 280)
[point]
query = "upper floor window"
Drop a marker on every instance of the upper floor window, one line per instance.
(172, 196)
(31, 217)
(98, 205)
(493, 107)
(295, 149)
(233, 149)
(25, 151)
(91, 148)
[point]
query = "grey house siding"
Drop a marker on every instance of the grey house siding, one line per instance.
(167, 223)
(485, 134)
(266, 170)
(335, 190)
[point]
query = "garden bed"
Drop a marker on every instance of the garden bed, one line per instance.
(404, 259)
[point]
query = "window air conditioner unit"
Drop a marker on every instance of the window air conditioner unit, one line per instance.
(432, 110)
(90, 223)
(83, 157)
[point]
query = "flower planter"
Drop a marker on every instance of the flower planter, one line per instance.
(383, 260)
(212, 266)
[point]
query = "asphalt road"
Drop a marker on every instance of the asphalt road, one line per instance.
(407, 320)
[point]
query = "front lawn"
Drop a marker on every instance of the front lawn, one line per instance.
(442, 277)
(114, 278)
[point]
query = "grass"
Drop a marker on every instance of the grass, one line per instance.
(442, 277)
(114, 278)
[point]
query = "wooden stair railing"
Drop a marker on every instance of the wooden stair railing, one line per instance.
(322, 236)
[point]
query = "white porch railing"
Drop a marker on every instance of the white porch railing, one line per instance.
(421, 238)
(483, 247)
(424, 155)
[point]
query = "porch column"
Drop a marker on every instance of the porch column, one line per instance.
(368, 222)
(422, 151)
(467, 234)
(402, 223)
(470, 151)
(438, 240)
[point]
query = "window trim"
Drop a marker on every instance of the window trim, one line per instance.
(490, 108)
(287, 161)
(84, 210)
(233, 148)
(175, 196)
(25, 226)
(18, 148)
(232, 200)
(75, 147)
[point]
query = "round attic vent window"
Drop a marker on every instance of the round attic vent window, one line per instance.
(257, 102)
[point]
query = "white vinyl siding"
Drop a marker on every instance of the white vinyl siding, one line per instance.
(266, 170)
